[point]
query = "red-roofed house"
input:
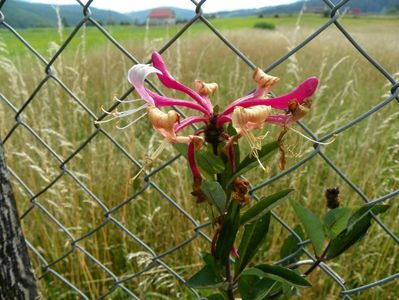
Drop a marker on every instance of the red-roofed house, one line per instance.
(354, 11)
(162, 16)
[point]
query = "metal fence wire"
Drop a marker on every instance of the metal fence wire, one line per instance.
(109, 216)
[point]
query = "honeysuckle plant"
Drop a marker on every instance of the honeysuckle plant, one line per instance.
(240, 224)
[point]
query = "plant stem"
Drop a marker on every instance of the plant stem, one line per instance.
(318, 260)
(312, 267)
(308, 271)
(230, 294)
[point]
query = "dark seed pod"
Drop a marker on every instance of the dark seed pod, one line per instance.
(332, 196)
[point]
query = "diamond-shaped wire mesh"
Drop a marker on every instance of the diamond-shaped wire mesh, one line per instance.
(62, 176)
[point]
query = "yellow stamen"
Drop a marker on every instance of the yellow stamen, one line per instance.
(116, 114)
(255, 144)
(105, 111)
(333, 138)
(133, 122)
(128, 101)
(150, 159)
(247, 119)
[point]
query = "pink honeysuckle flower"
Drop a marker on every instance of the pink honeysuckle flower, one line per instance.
(246, 114)
(137, 75)
(168, 81)
(302, 92)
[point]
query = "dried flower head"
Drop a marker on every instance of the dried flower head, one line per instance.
(240, 191)
(332, 196)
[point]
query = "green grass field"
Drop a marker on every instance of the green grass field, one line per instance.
(96, 71)
(40, 38)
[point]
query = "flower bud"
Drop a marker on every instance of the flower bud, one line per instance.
(264, 80)
(163, 122)
(250, 118)
(205, 88)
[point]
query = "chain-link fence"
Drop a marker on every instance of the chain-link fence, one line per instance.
(118, 283)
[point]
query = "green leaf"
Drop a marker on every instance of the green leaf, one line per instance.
(250, 162)
(209, 163)
(336, 220)
(147, 295)
(211, 262)
(363, 212)
(214, 192)
(217, 296)
(228, 172)
(263, 206)
(231, 131)
(205, 279)
(182, 149)
(208, 276)
(291, 245)
(255, 288)
(228, 232)
(288, 290)
(254, 235)
(312, 225)
(358, 225)
(278, 273)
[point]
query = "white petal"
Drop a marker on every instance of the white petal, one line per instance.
(136, 76)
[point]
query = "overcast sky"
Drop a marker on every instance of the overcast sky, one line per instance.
(135, 5)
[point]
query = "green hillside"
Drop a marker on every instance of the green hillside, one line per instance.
(374, 7)
(25, 14)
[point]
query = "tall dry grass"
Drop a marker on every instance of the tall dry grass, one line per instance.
(367, 153)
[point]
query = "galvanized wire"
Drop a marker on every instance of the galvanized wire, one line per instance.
(157, 258)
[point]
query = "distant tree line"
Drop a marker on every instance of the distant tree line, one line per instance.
(110, 22)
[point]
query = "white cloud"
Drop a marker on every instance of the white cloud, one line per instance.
(209, 6)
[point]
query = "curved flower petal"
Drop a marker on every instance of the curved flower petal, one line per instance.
(305, 90)
(136, 76)
(280, 120)
(188, 121)
(223, 119)
(265, 83)
(191, 160)
(166, 101)
(172, 83)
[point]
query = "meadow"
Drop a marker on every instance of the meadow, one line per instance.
(95, 71)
